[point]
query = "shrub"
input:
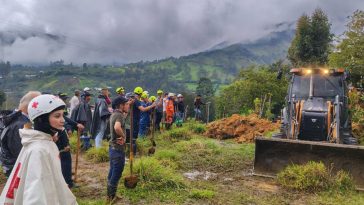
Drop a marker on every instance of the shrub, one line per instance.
(178, 134)
(313, 176)
(73, 142)
(198, 145)
(142, 146)
(198, 128)
(343, 181)
(202, 194)
(98, 155)
(153, 175)
(166, 154)
(208, 155)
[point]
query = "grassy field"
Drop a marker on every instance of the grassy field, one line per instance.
(189, 168)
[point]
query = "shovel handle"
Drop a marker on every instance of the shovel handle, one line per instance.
(77, 153)
(131, 154)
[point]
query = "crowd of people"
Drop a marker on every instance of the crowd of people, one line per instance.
(41, 119)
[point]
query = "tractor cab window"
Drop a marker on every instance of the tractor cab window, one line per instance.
(301, 86)
(326, 86)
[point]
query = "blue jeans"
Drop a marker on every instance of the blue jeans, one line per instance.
(100, 134)
(143, 130)
(197, 114)
(117, 163)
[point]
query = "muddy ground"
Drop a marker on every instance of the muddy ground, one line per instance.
(231, 187)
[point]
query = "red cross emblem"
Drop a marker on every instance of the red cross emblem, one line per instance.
(35, 105)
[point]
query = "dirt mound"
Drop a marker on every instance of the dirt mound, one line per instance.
(242, 128)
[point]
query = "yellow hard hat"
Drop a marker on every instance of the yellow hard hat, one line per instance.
(144, 95)
(160, 92)
(152, 98)
(120, 90)
(138, 90)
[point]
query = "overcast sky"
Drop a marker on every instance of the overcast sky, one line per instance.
(108, 31)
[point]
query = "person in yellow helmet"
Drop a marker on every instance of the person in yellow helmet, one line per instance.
(144, 122)
(152, 99)
(138, 90)
(159, 110)
(146, 93)
(138, 108)
(120, 91)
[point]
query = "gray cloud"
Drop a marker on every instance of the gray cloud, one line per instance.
(36, 31)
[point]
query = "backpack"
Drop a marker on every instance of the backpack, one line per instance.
(3, 131)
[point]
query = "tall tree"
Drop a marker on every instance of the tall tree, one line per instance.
(311, 44)
(320, 37)
(253, 82)
(205, 88)
(349, 52)
(300, 50)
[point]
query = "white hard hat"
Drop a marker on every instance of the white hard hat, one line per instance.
(146, 92)
(43, 104)
(179, 95)
(87, 89)
(170, 94)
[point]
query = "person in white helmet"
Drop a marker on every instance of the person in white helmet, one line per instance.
(87, 89)
(37, 176)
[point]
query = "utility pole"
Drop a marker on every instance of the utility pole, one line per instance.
(208, 112)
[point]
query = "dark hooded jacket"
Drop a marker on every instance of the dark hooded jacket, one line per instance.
(10, 138)
(83, 114)
(101, 113)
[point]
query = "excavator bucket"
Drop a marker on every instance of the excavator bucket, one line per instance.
(273, 155)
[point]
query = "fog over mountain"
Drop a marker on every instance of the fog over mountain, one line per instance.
(125, 31)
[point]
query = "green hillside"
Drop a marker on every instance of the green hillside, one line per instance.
(182, 74)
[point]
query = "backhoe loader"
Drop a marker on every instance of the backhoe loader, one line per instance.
(315, 126)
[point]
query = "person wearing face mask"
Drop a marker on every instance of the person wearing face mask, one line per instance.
(37, 177)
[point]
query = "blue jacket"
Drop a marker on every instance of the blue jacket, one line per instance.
(145, 116)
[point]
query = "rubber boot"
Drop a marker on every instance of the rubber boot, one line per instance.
(111, 192)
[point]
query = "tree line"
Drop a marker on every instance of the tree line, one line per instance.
(312, 46)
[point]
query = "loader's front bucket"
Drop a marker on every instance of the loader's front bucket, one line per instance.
(273, 155)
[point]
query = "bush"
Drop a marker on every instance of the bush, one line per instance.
(73, 142)
(178, 134)
(356, 101)
(202, 194)
(166, 154)
(312, 177)
(208, 155)
(98, 155)
(153, 175)
(142, 146)
(199, 146)
(198, 128)
(343, 181)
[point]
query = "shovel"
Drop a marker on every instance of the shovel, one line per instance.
(77, 153)
(131, 181)
(152, 149)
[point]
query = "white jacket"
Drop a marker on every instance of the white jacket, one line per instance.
(37, 177)
(73, 103)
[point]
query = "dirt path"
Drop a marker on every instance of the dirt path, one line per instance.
(91, 179)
